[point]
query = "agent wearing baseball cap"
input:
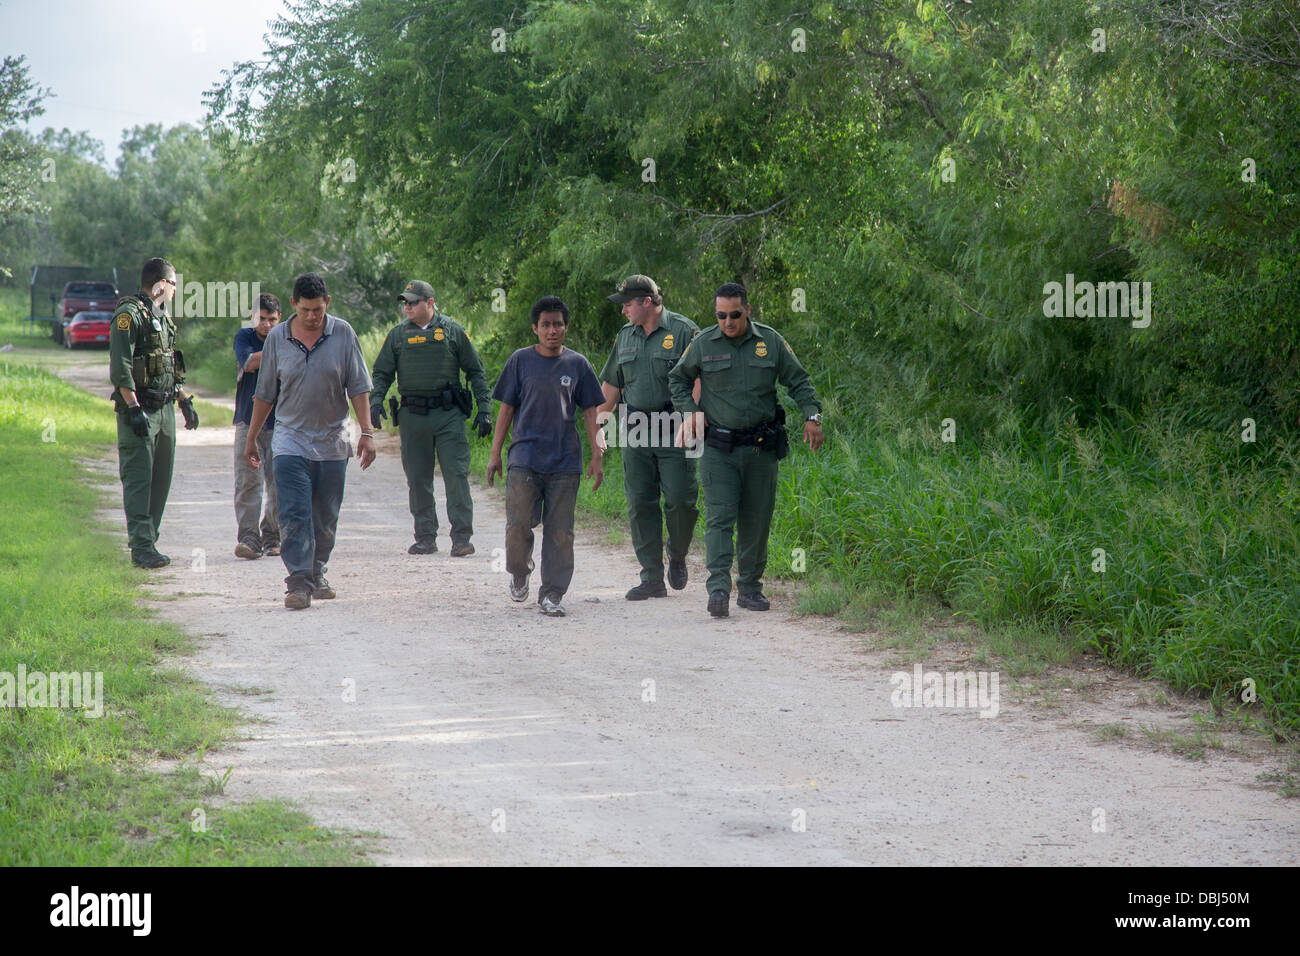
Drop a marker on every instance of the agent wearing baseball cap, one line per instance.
(636, 374)
(427, 354)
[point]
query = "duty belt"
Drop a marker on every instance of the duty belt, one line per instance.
(770, 434)
(420, 404)
(153, 399)
(736, 436)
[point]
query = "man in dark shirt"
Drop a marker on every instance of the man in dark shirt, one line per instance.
(254, 539)
(540, 389)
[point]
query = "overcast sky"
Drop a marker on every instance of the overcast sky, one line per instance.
(114, 64)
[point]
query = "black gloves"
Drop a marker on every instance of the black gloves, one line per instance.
(377, 415)
(138, 421)
(186, 406)
(484, 424)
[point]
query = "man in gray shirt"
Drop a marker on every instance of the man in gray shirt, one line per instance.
(312, 367)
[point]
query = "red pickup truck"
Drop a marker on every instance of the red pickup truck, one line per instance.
(83, 296)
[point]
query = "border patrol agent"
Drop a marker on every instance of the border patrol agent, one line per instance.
(427, 354)
(645, 351)
(739, 363)
(147, 370)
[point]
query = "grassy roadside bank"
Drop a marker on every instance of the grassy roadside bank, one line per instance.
(75, 789)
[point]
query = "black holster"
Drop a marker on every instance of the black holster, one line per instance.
(773, 435)
(416, 403)
(723, 439)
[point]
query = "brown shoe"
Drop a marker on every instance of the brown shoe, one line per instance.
(246, 550)
(322, 589)
(462, 550)
(297, 600)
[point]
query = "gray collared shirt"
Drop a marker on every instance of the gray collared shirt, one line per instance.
(312, 388)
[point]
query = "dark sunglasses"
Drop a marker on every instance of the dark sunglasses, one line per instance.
(728, 315)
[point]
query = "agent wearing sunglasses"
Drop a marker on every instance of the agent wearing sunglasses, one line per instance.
(739, 363)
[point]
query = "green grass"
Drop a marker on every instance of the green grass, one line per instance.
(76, 790)
(1201, 584)
(1192, 748)
(14, 306)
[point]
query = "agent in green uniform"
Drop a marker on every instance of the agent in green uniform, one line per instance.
(636, 375)
(739, 363)
(427, 354)
(147, 370)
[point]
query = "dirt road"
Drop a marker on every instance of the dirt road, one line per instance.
(422, 703)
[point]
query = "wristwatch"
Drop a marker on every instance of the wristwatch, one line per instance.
(816, 417)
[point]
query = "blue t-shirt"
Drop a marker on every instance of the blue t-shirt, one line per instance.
(546, 393)
(246, 343)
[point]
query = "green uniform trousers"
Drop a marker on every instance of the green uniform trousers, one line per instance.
(647, 472)
(739, 495)
(440, 434)
(145, 467)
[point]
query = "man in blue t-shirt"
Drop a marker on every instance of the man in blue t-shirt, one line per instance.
(254, 540)
(540, 389)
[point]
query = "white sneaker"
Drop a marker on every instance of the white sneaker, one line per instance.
(518, 591)
(552, 607)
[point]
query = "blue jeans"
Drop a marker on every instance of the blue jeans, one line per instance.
(310, 494)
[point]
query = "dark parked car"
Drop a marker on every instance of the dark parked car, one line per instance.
(82, 296)
(88, 328)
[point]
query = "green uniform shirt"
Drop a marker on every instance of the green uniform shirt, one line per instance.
(639, 364)
(141, 344)
(738, 377)
(425, 361)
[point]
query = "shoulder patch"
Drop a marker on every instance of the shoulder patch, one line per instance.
(123, 322)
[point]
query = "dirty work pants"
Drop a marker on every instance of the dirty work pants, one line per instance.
(252, 525)
(532, 499)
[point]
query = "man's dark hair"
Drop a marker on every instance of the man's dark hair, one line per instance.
(309, 286)
(268, 302)
(549, 303)
(732, 290)
(155, 270)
